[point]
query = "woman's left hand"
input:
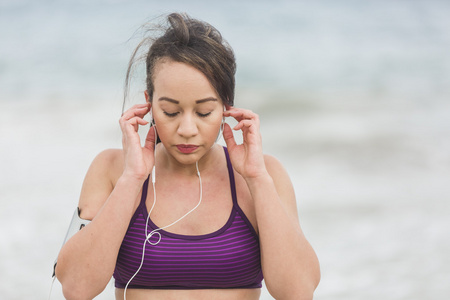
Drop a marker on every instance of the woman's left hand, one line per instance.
(247, 158)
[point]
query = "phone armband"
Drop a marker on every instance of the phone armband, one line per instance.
(76, 225)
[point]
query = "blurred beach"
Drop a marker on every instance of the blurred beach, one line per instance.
(353, 98)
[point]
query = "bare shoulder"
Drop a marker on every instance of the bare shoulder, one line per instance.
(99, 182)
(282, 183)
(277, 171)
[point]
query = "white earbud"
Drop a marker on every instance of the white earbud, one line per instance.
(222, 125)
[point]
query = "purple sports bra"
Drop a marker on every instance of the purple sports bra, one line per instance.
(225, 259)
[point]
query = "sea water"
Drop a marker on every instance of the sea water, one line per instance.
(353, 98)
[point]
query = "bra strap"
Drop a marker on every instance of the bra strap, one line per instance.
(144, 191)
(231, 176)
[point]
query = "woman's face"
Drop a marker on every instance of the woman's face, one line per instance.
(187, 110)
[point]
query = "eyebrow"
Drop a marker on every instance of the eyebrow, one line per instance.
(178, 102)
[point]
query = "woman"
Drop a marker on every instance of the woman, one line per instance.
(213, 220)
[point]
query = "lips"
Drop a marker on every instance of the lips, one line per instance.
(186, 149)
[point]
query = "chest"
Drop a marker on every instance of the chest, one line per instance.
(192, 208)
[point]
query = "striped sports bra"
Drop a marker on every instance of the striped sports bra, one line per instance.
(227, 258)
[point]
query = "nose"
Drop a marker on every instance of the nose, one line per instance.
(187, 127)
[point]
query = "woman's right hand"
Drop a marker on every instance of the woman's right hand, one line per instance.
(138, 160)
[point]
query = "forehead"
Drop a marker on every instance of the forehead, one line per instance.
(181, 81)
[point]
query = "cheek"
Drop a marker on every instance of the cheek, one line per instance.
(158, 115)
(213, 126)
(215, 120)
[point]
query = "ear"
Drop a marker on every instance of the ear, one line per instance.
(147, 97)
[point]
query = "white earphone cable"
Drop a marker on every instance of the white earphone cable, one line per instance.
(155, 231)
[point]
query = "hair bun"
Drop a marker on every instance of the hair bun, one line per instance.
(180, 28)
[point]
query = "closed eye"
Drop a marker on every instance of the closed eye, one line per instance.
(171, 115)
(203, 115)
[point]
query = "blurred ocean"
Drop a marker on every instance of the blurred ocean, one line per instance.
(353, 97)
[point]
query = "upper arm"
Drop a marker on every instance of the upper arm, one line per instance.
(99, 182)
(283, 184)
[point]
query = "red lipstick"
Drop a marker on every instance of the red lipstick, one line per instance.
(186, 149)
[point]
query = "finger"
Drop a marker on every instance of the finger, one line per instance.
(241, 114)
(136, 121)
(132, 123)
(151, 138)
(137, 110)
(228, 136)
(228, 107)
(137, 106)
(248, 125)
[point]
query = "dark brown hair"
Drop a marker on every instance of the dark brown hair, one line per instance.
(195, 43)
